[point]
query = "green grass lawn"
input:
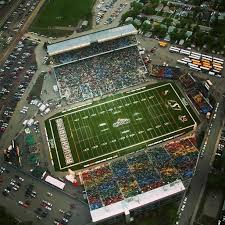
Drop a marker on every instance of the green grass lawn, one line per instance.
(119, 125)
(62, 13)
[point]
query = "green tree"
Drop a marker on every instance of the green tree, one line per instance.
(145, 27)
(149, 10)
(167, 21)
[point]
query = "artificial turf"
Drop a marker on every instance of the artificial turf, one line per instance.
(96, 132)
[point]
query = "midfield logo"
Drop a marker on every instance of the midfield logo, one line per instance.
(121, 122)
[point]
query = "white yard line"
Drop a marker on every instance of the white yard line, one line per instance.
(183, 103)
(103, 103)
(118, 142)
(118, 150)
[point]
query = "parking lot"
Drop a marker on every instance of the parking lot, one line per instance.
(34, 200)
(109, 11)
(15, 21)
(15, 75)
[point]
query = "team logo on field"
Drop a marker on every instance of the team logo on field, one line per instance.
(174, 105)
(121, 122)
(183, 118)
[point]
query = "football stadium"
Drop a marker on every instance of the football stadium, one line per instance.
(112, 132)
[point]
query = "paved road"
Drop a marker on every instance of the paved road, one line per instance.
(12, 8)
(24, 29)
(198, 182)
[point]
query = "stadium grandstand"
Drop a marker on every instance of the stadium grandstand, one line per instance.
(96, 64)
(119, 185)
(137, 182)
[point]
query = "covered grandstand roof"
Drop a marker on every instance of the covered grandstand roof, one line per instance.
(86, 40)
(137, 201)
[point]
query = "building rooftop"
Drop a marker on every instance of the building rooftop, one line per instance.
(86, 40)
(138, 201)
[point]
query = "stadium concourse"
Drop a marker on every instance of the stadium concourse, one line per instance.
(139, 180)
(98, 63)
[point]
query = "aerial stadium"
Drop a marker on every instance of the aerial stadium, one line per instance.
(112, 132)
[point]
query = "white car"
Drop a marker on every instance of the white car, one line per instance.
(33, 195)
(21, 179)
(64, 219)
(49, 194)
(49, 204)
(60, 210)
(14, 188)
(48, 208)
(6, 190)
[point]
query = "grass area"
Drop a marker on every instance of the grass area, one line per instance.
(165, 215)
(119, 125)
(62, 13)
(52, 32)
(36, 90)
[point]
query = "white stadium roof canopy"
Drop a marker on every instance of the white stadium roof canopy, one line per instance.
(86, 40)
(137, 201)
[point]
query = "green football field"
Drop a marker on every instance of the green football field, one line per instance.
(117, 125)
(62, 13)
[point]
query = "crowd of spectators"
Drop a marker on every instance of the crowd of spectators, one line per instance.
(125, 179)
(184, 154)
(200, 102)
(187, 80)
(140, 172)
(147, 176)
(196, 92)
(163, 162)
(101, 188)
(94, 49)
(163, 71)
(100, 75)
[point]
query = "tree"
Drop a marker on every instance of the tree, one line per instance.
(145, 27)
(149, 10)
(174, 35)
(160, 31)
(136, 7)
(196, 2)
(167, 21)
(216, 180)
(8, 219)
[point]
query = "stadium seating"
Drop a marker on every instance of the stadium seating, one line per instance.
(126, 181)
(140, 172)
(160, 71)
(94, 49)
(100, 75)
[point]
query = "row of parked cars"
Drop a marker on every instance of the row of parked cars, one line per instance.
(221, 145)
(65, 218)
(14, 184)
(15, 21)
(15, 76)
(102, 8)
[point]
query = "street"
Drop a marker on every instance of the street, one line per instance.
(198, 182)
